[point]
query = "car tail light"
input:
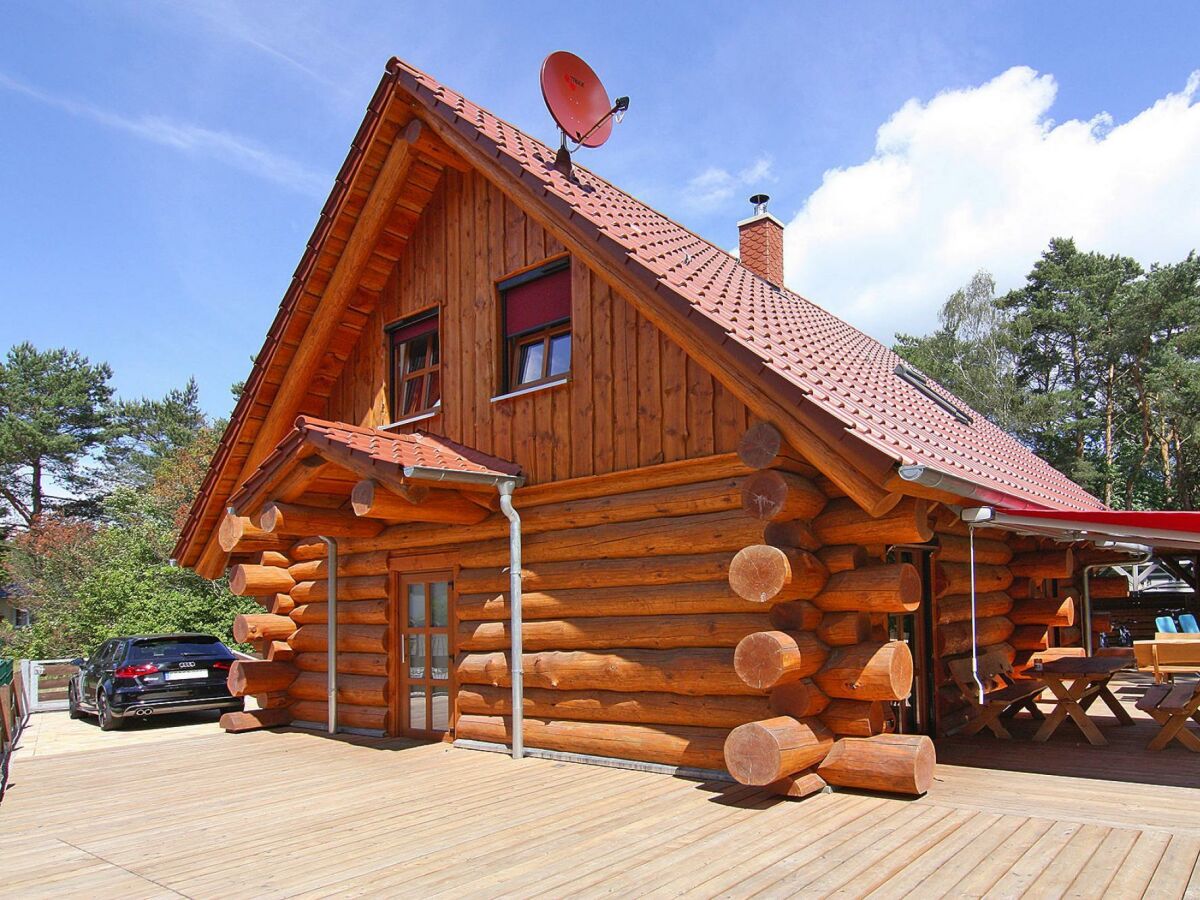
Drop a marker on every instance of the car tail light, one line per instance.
(223, 664)
(135, 671)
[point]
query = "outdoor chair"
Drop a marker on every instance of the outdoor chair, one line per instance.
(1188, 625)
(1003, 695)
(1166, 624)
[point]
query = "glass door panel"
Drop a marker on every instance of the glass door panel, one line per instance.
(427, 654)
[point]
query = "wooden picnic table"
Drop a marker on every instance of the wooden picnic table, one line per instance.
(1076, 682)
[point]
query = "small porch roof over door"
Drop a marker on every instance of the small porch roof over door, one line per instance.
(345, 480)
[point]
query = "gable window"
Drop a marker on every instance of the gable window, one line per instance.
(537, 325)
(416, 366)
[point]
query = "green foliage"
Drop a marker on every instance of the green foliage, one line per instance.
(145, 432)
(1094, 363)
(53, 413)
(88, 580)
(973, 353)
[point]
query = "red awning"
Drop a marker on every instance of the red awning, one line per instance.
(1162, 530)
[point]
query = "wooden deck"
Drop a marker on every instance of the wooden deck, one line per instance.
(193, 812)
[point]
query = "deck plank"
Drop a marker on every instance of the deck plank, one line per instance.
(355, 817)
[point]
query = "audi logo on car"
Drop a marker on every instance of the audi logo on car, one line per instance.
(187, 665)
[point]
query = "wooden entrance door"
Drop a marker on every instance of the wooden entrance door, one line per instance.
(425, 602)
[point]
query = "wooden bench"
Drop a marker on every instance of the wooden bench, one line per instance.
(1003, 695)
(1167, 657)
(1171, 705)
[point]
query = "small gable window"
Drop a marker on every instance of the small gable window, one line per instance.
(416, 366)
(537, 325)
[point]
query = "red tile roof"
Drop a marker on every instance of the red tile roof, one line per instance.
(418, 449)
(387, 450)
(846, 373)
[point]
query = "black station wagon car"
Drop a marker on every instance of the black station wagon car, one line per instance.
(152, 674)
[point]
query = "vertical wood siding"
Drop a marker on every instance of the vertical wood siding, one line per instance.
(634, 398)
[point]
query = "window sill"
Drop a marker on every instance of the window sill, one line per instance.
(533, 389)
(411, 420)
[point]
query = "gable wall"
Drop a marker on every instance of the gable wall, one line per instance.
(634, 399)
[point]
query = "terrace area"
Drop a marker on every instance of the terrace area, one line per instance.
(170, 809)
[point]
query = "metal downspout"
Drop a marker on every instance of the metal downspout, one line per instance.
(331, 631)
(514, 601)
(974, 632)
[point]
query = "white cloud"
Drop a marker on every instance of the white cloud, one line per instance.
(230, 149)
(715, 186)
(983, 178)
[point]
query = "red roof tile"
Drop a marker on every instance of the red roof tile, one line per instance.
(385, 449)
(418, 449)
(846, 373)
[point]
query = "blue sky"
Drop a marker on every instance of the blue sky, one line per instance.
(163, 163)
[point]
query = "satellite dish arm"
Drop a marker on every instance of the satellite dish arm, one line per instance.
(617, 113)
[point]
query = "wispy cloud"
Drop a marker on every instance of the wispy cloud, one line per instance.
(230, 21)
(715, 186)
(230, 149)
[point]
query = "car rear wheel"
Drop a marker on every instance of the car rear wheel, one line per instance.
(108, 722)
(73, 709)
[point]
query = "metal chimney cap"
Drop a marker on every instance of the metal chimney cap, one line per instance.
(760, 203)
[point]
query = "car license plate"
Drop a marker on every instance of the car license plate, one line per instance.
(190, 675)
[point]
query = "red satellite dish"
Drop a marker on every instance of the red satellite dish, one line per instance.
(576, 99)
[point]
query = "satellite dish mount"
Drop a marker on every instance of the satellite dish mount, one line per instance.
(579, 104)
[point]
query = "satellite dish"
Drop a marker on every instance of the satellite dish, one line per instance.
(576, 99)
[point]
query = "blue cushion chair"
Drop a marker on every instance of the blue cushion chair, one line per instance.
(1187, 624)
(1166, 625)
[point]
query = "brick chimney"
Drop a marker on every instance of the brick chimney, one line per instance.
(760, 242)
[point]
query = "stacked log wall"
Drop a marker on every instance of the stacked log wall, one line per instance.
(292, 640)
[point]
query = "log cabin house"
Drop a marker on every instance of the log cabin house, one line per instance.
(739, 517)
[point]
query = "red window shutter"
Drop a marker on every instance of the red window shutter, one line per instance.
(407, 332)
(537, 303)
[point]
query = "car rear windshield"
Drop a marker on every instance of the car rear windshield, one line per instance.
(173, 648)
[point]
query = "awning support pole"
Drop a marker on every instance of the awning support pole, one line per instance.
(331, 632)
